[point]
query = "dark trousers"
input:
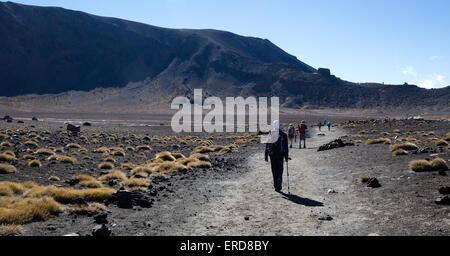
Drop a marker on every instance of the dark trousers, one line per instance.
(277, 171)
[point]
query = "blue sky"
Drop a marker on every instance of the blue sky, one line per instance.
(390, 41)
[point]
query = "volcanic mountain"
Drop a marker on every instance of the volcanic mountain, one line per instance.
(53, 58)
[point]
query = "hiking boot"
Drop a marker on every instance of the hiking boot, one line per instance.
(291, 146)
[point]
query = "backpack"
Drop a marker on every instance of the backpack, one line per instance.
(302, 128)
(291, 131)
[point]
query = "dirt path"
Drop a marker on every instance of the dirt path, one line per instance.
(250, 206)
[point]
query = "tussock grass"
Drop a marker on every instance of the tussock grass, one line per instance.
(199, 164)
(130, 148)
(73, 145)
(105, 165)
(16, 210)
(396, 131)
(203, 149)
(378, 141)
(7, 168)
(9, 152)
(168, 167)
(7, 158)
(405, 146)
(101, 150)
(202, 157)
(186, 161)
(384, 133)
(127, 166)
(54, 178)
(439, 164)
(34, 163)
(364, 178)
(90, 183)
(89, 209)
(400, 152)
(441, 143)
(113, 175)
(6, 144)
(140, 175)
(45, 152)
(447, 138)
(148, 169)
(165, 156)
(62, 159)
(118, 153)
(68, 195)
(30, 143)
(10, 230)
(109, 159)
(143, 148)
(136, 182)
(420, 166)
(178, 155)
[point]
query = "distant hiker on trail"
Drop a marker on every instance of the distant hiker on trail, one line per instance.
(319, 123)
(278, 150)
(302, 132)
(329, 125)
(291, 134)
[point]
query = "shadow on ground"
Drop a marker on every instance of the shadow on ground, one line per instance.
(300, 200)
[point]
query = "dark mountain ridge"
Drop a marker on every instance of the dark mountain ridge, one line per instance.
(51, 50)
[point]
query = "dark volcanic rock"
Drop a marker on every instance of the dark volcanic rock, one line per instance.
(373, 183)
(101, 230)
(124, 199)
(73, 128)
(443, 200)
(101, 218)
(445, 190)
(338, 143)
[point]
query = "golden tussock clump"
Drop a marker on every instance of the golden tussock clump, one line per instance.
(90, 183)
(68, 195)
(113, 175)
(101, 150)
(17, 210)
(439, 164)
(127, 166)
(30, 143)
(405, 146)
(118, 153)
(89, 209)
(6, 168)
(168, 167)
(364, 178)
(34, 163)
(143, 147)
(45, 152)
(140, 175)
(378, 141)
(6, 144)
(165, 156)
(400, 152)
(396, 131)
(7, 158)
(59, 150)
(178, 155)
(202, 149)
(130, 148)
(136, 182)
(54, 178)
(10, 230)
(420, 166)
(109, 159)
(384, 133)
(186, 161)
(62, 159)
(441, 143)
(199, 164)
(105, 165)
(202, 157)
(447, 138)
(9, 152)
(73, 145)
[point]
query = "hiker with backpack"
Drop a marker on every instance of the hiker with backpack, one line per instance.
(278, 150)
(319, 123)
(302, 132)
(329, 125)
(291, 134)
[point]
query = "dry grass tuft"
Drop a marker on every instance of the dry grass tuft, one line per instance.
(199, 164)
(405, 146)
(400, 152)
(54, 178)
(202, 157)
(136, 182)
(34, 163)
(6, 168)
(101, 150)
(30, 143)
(113, 175)
(73, 145)
(45, 152)
(6, 144)
(118, 153)
(186, 161)
(420, 166)
(202, 149)
(441, 143)
(168, 167)
(105, 165)
(143, 147)
(89, 209)
(439, 164)
(165, 156)
(90, 183)
(7, 158)
(68, 195)
(127, 166)
(364, 178)
(178, 155)
(10, 230)
(110, 159)
(18, 210)
(378, 141)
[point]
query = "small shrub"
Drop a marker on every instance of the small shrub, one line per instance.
(199, 164)
(113, 175)
(400, 152)
(45, 152)
(405, 146)
(420, 166)
(10, 230)
(54, 178)
(439, 164)
(73, 145)
(165, 156)
(143, 148)
(135, 182)
(441, 143)
(378, 141)
(7, 158)
(30, 143)
(105, 165)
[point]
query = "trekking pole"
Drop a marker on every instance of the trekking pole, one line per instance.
(287, 171)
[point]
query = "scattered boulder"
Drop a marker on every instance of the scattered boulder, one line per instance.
(373, 183)
(443, 200)
(20, 122)
(101, 218)
(9, 120)
(124, 199)
(87, 124)
(73, 128)
(35, 118)
(101, 230)
(445, 190)
(331, 191)
(7, 117)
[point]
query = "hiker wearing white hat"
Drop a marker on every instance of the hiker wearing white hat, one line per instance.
(277, 150)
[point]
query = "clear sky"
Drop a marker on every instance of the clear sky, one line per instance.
(390, 41)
